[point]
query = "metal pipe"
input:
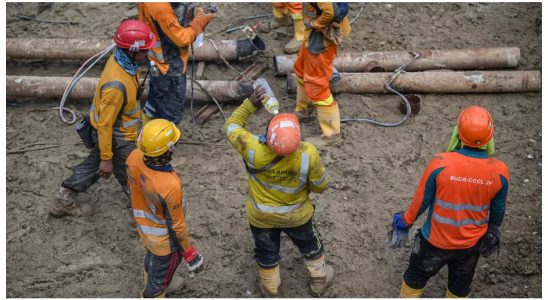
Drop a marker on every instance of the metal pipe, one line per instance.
(435, 82)
(26, 48)
(53, 87)
(455, 59)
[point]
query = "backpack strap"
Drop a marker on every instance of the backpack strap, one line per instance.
(265, 167)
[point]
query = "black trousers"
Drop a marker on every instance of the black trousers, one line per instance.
(267, 242)
(166, 98)
(426, 260)
(160, 271)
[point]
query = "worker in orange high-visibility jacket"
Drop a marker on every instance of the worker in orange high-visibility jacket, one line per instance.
(177, 25)
(281, 11)
(113, 119)
(158, 208)
(326, 24)
(465, 194)
(282, 171)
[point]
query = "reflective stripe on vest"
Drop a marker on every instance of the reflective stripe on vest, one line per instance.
(275, 209)
(302, 180)
(321, 180)
(460, 223)
(152, 230)
(137, 213)
(458, 207)
(231, 128)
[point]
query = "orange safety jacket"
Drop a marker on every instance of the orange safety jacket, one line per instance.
(317, 21)
(171, 51)
(114, 112)
(464, 190)
(158, 206)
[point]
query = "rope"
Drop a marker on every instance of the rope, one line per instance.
(359, 12)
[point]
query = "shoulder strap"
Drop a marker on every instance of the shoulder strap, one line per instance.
(265, 167)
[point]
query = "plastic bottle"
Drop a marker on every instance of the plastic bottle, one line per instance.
(270, 102)
(199, 41)
(154, 71)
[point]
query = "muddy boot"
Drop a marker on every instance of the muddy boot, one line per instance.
(270, 25)
(292, 46)
(303, 109)
(321, 275)
(177, 283)
(295, 44)
(64, 204)
(269, 281)
(409, 292)
(323, 142)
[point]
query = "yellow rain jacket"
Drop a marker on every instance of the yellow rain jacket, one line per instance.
(277, 197)
(115, 110)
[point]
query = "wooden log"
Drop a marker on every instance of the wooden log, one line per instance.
(53, 87)
(435, 82)
(455, 59)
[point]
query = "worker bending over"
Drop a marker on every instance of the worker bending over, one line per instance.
(114, 118)
(465, 193)
(281, 11)
(326, 24)
(282, 171)
(177, 25)
(158, 208)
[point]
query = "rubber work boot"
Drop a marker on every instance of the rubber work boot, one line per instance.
(269, 281)
(321, 275)
(448, 294)
(273, 24)
(303, 108)
(409, 292)
(295, 44)
(64, 204)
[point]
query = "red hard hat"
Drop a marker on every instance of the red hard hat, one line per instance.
(284, 134)
(475, 126)
(134, 35)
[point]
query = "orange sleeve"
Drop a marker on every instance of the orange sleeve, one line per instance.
(164, 15)
(174, 203)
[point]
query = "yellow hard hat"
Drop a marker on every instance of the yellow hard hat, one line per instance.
(157, 137)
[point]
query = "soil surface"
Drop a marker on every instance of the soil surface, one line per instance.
(373, 174)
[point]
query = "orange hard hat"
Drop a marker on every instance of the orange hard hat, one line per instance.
(284, 134)
(475, 126)
(134, 35)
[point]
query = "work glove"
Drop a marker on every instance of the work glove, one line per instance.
(200, 20)
(257, 97)
(490, 242)
(195, 261)
(399, 233)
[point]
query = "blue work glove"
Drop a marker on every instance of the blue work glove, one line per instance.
(399, 233)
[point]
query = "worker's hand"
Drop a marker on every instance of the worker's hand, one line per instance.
(105, 168)
(194, 260)
(257, 97)
(399, 233)
(200, 20)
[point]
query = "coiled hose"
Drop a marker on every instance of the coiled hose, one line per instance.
(77, 76)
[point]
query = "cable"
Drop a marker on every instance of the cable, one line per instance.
(357, 15)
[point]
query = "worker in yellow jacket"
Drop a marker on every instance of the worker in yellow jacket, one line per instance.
(281, 11)
(177, 25)
(114, 118)
(326, 25)
(158, 208)
(282, 171)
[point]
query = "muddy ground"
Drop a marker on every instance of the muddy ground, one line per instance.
(373, 174)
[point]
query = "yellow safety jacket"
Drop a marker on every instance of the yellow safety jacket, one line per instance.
(277, 197)
(171, 51)
(114, 112)
(318, 22)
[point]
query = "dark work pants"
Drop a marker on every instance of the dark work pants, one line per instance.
(426, 260)
(85, 175)
(166, 98)
(267, 243)
(160, 271)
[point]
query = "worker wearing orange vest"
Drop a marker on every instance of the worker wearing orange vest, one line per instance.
(158, 207)
(326, 24)
(114, 118)
(465, 193)
(282, 171)
(281, 10)
(177, 25)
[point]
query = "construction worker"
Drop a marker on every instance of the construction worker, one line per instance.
(282, 171)
(281, 10)
(465, 193)
(158, 208)
(326, 24)
(177, 25)
(114, 118)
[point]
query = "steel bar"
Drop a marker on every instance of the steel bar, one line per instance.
(455, 59)
(53, 87)
(435, 82)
